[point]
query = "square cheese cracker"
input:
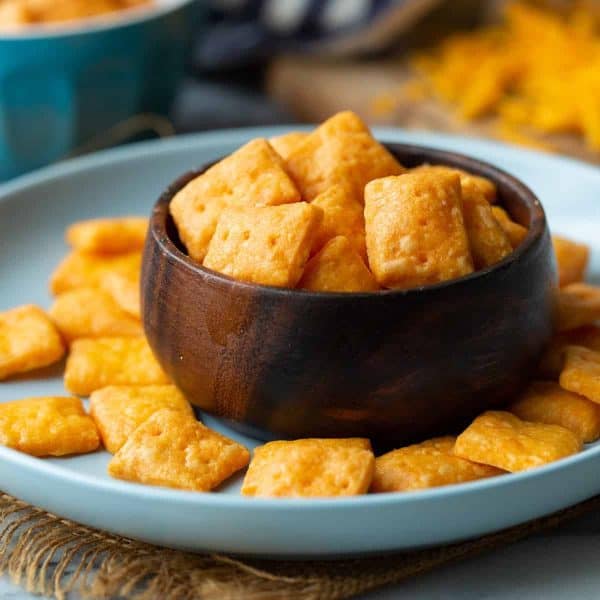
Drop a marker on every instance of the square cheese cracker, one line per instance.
(252, 176)
(268, 245)
(95, 363)
(429, 464)
(547, 402)
(47, 426)
(116, 235)
(28, 340)
(571, 258)
(415, 230)
(310, 468)
(581, 372)
(172, 449)
(343, 152)
(90, 312)
(515, 231)
(500, 439)
(578, 305)
(119, 410)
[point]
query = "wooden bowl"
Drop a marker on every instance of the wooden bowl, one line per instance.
(393, 366)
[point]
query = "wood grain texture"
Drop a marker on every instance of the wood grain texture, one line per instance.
(393, 366)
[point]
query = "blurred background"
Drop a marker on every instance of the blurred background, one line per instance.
(81, 75)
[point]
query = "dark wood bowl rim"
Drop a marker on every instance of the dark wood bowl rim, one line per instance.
(536, 228)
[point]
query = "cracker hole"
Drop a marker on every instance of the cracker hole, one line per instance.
(225, 235)
(246, 235)
(272, 240)
(422, 259)
(200, 208)
(423, 222)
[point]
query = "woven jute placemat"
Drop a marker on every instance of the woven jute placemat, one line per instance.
(53, 556)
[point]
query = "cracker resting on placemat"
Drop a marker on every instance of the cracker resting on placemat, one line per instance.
(54, 557)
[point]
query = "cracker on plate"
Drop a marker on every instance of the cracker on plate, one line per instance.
(581, 372)
(268, 245)
(429, 464)
(341, 151)
(28, 340)
(252, 176)
(81, 269)
(552, 361)
(47, 426)
(547, 402)
(310, 468)
(119, 409)
(116, 235)
(571, 258)
(415, 230)
(90, 312)
(95, 363)
(502, 440)
(125, 291)
(172, 449)
(578, 305)
(337, 268)
(285, 144)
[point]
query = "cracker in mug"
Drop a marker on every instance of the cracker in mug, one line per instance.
(310, 468)
(415, 230)
(341, 151)
(110, 236)
(80, 269)
(581, 372)
(119, 409)
(95, 363)
(287, 143)
(337, 268)
(342, 215)
(578, 305)
(547, 402)
(268, 245)
(252, 176)
(47, 426)
(502, 440)
(90, 312)
(572, 260)
(429, 464)
(515, 231)
(174, 450)
(28, 340)
(124, 290)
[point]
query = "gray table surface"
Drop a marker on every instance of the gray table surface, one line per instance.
(563, 563)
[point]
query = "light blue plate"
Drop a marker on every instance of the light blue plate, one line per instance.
(33, 214)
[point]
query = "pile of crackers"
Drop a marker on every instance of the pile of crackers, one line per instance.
(141, 418)
(334, 211)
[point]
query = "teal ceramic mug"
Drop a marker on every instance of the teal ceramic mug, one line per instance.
(62, 85)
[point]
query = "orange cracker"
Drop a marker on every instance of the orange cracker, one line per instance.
(516, 232)
(124, 290)
(28, 340)
(172, 449)
(578, 305)
(488, 242)
(500, 439)
(337, 268)
(285, 144)
(547, 402)
(572, 260)
(343, 152)
(80, 269)
(95, 363)
(119, 409)
(475, 183)
(251, 176)
(47, 426)
(310, 468)
(90, 312)
(117, 235)
(429, 464)
(342, 215)
(415, 230)
(268, 245)
(552, 360)
(581, 372)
